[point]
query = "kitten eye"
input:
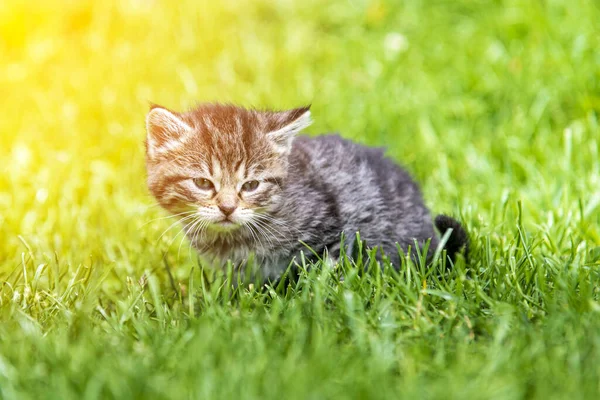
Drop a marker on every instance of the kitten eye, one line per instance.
(250, 186)
(203, 184)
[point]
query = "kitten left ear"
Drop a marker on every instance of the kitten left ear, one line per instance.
(165, 131)
(295, 121)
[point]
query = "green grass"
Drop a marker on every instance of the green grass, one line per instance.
(493, 106)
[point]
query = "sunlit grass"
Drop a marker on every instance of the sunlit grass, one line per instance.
(493, 106)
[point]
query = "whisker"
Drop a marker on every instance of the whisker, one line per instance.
(279, 223)
(198, 231)
(180, 231)
(263, 232)
(255, 233)
(272, 231)
(187, 233)
(173, 224)
(273, 226)
(168, 216)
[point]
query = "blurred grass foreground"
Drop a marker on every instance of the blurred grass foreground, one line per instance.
(492, 105)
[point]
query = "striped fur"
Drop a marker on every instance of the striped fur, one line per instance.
(308, 191)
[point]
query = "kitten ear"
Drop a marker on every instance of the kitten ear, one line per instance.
(165, 131)
(294, 120)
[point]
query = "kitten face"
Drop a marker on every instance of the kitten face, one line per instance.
(220, 168)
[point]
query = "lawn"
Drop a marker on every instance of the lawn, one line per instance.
(493, 106)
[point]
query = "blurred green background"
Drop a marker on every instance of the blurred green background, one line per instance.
(480, 100)
(492, 105)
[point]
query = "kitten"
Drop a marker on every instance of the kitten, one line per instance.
(242, 182)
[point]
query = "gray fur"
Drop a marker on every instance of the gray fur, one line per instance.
(310, 191)
(337, 186)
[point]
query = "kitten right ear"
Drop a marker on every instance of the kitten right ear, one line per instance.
(165, 130)
(294, 121)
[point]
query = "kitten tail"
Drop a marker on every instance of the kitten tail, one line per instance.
(458, 240)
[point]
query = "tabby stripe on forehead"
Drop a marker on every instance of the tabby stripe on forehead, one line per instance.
(237, 166)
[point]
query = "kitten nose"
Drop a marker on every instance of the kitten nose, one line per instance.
(227, 208)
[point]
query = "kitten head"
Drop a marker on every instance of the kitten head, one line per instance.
(222, 164)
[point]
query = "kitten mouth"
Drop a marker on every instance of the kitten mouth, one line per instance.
(225, 225)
